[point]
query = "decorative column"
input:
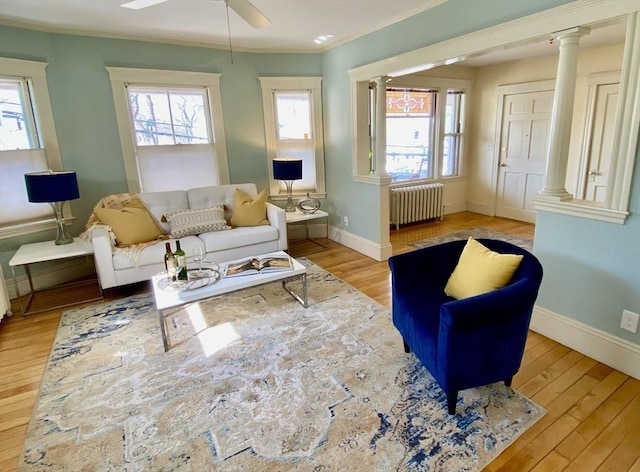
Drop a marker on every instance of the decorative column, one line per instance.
(380, 172)
(561, 116)
(380, 151)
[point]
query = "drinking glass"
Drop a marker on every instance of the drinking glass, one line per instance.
(200, 255)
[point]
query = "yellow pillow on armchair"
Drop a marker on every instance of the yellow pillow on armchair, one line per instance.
(249, 211)
(480, 270)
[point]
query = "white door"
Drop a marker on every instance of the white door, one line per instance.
(523, 149)
(601, 142)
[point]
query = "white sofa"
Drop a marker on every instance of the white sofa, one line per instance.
(115, 267)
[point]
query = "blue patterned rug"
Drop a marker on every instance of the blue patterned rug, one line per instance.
(256, 382)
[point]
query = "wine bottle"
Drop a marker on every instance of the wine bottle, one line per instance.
(168, 253)
(171, 264)
(181, 260)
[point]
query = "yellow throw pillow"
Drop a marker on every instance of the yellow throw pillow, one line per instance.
(249, 211)
(131, 225)
(480, 270)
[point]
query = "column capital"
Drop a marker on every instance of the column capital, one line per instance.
(576, 33)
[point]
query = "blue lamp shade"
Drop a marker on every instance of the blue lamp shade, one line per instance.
(287, 169)
(51, 186)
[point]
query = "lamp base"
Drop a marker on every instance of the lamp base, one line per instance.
(62, 237)
(290, 206)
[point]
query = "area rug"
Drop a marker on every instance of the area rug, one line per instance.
(256, 382)
(477, 233)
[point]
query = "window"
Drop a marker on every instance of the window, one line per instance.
(411, 131)
(293, 126)
(424, 133)
(170, 120)
(453, 129)
(18, 127)
(28, 143)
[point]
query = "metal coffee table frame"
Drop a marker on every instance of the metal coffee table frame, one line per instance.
(169, 302)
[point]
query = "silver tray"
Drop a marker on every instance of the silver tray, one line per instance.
(197, 279)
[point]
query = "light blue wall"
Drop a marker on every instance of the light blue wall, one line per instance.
(591, 269)
(84, 115)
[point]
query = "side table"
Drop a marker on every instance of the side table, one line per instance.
(298, 216)
(47, 251)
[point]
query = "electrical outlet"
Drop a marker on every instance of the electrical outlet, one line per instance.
(345, 220)
(629, 321)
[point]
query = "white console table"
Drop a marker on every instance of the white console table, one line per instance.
(47, 251)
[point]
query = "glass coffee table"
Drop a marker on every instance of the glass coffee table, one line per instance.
(170, 298)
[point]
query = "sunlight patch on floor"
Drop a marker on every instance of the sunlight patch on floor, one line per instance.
(214, 338)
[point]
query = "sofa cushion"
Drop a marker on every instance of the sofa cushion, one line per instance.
(238, 237)
(158, 203)
(203, 197)
(196, 221)
(130, 224)
(480, 270)
(249, 210)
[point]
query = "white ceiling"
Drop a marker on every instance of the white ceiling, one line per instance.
(294, 24)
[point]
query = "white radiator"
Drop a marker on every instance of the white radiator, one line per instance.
(416, 203)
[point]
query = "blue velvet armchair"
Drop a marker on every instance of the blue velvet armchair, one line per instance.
(469, 342)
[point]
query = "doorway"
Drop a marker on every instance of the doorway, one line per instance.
(523, 136)
(598, 137)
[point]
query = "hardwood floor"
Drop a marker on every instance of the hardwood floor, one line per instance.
(593, 419)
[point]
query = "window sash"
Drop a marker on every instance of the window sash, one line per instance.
(163, 168)
(293, 114)
(15, 207)
(167, 125)
(453, 135)
(22, 112)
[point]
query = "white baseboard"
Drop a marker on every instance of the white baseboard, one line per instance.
(52, 275)
(479, 208)
(370, 249)
(456, 207)
(599, 345)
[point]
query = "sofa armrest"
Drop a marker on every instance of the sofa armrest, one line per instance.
(278, 219)
(103, 256)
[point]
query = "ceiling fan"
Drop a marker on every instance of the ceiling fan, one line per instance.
(244, 9)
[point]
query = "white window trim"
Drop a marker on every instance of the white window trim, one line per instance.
(121, 76)
(314, 84)
(36, 73)
(532, 27)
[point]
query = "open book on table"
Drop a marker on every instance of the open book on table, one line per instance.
(258, 265)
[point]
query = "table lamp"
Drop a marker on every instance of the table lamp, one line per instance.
(54, 188)
(288, 170)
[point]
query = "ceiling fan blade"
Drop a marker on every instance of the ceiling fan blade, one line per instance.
(139, 4)
(249, 13)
